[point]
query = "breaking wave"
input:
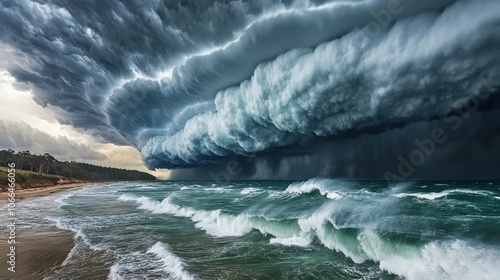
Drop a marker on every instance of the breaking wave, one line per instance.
(350, 222)
(436, 195)
(158, 257)
(323, 186)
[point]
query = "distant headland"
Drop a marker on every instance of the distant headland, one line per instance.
(37, 171)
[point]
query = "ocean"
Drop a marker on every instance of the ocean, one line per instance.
(315, 229)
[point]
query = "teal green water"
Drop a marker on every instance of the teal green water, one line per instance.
(317, 229)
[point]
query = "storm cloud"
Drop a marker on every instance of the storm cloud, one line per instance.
(198, 83)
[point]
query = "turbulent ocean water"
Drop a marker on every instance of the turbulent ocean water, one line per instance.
(315, 229)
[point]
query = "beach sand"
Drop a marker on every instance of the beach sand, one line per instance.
(20, 194)
(38, 252)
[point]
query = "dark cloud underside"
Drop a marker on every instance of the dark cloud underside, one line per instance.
(194, 83)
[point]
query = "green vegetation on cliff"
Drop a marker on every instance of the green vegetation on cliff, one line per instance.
(27, 179)
(45, 169)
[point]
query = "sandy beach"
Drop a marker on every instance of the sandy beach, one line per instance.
(33, 192)
(38, 252)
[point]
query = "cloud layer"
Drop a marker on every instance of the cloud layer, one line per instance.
(195, 83)
(21, 136)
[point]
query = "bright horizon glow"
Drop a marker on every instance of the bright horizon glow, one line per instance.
(18, 106)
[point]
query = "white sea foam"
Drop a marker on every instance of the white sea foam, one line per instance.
(315, 224)
(436, 195)
(456, 259)
(217, 189)
(62, 225)
(127, 197)
(158, 260)
(114, 272)
(217, 224)
(194, 186)
(276, 194)
(299, 241)
(172, 264)
(70, 255)
(78, 231)
(428, 196)
(62, 199)
(252, 191)
(437, 260)
(314, 184)
(79, 237)
(213, 222)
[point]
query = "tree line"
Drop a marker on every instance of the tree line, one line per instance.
(47, 164)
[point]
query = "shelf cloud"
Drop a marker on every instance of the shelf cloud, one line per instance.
(199, 83)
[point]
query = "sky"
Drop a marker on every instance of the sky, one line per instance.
(25, 125)
(256, 89)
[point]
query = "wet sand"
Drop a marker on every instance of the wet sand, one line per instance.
(38, 252)
(34, 192)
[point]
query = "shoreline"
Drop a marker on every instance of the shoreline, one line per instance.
(42, 250)
(42, 191)
(39, 252)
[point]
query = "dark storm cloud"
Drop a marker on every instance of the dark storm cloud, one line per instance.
(79, 52)
(469, 152)
(415, 70)
(191, 83)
